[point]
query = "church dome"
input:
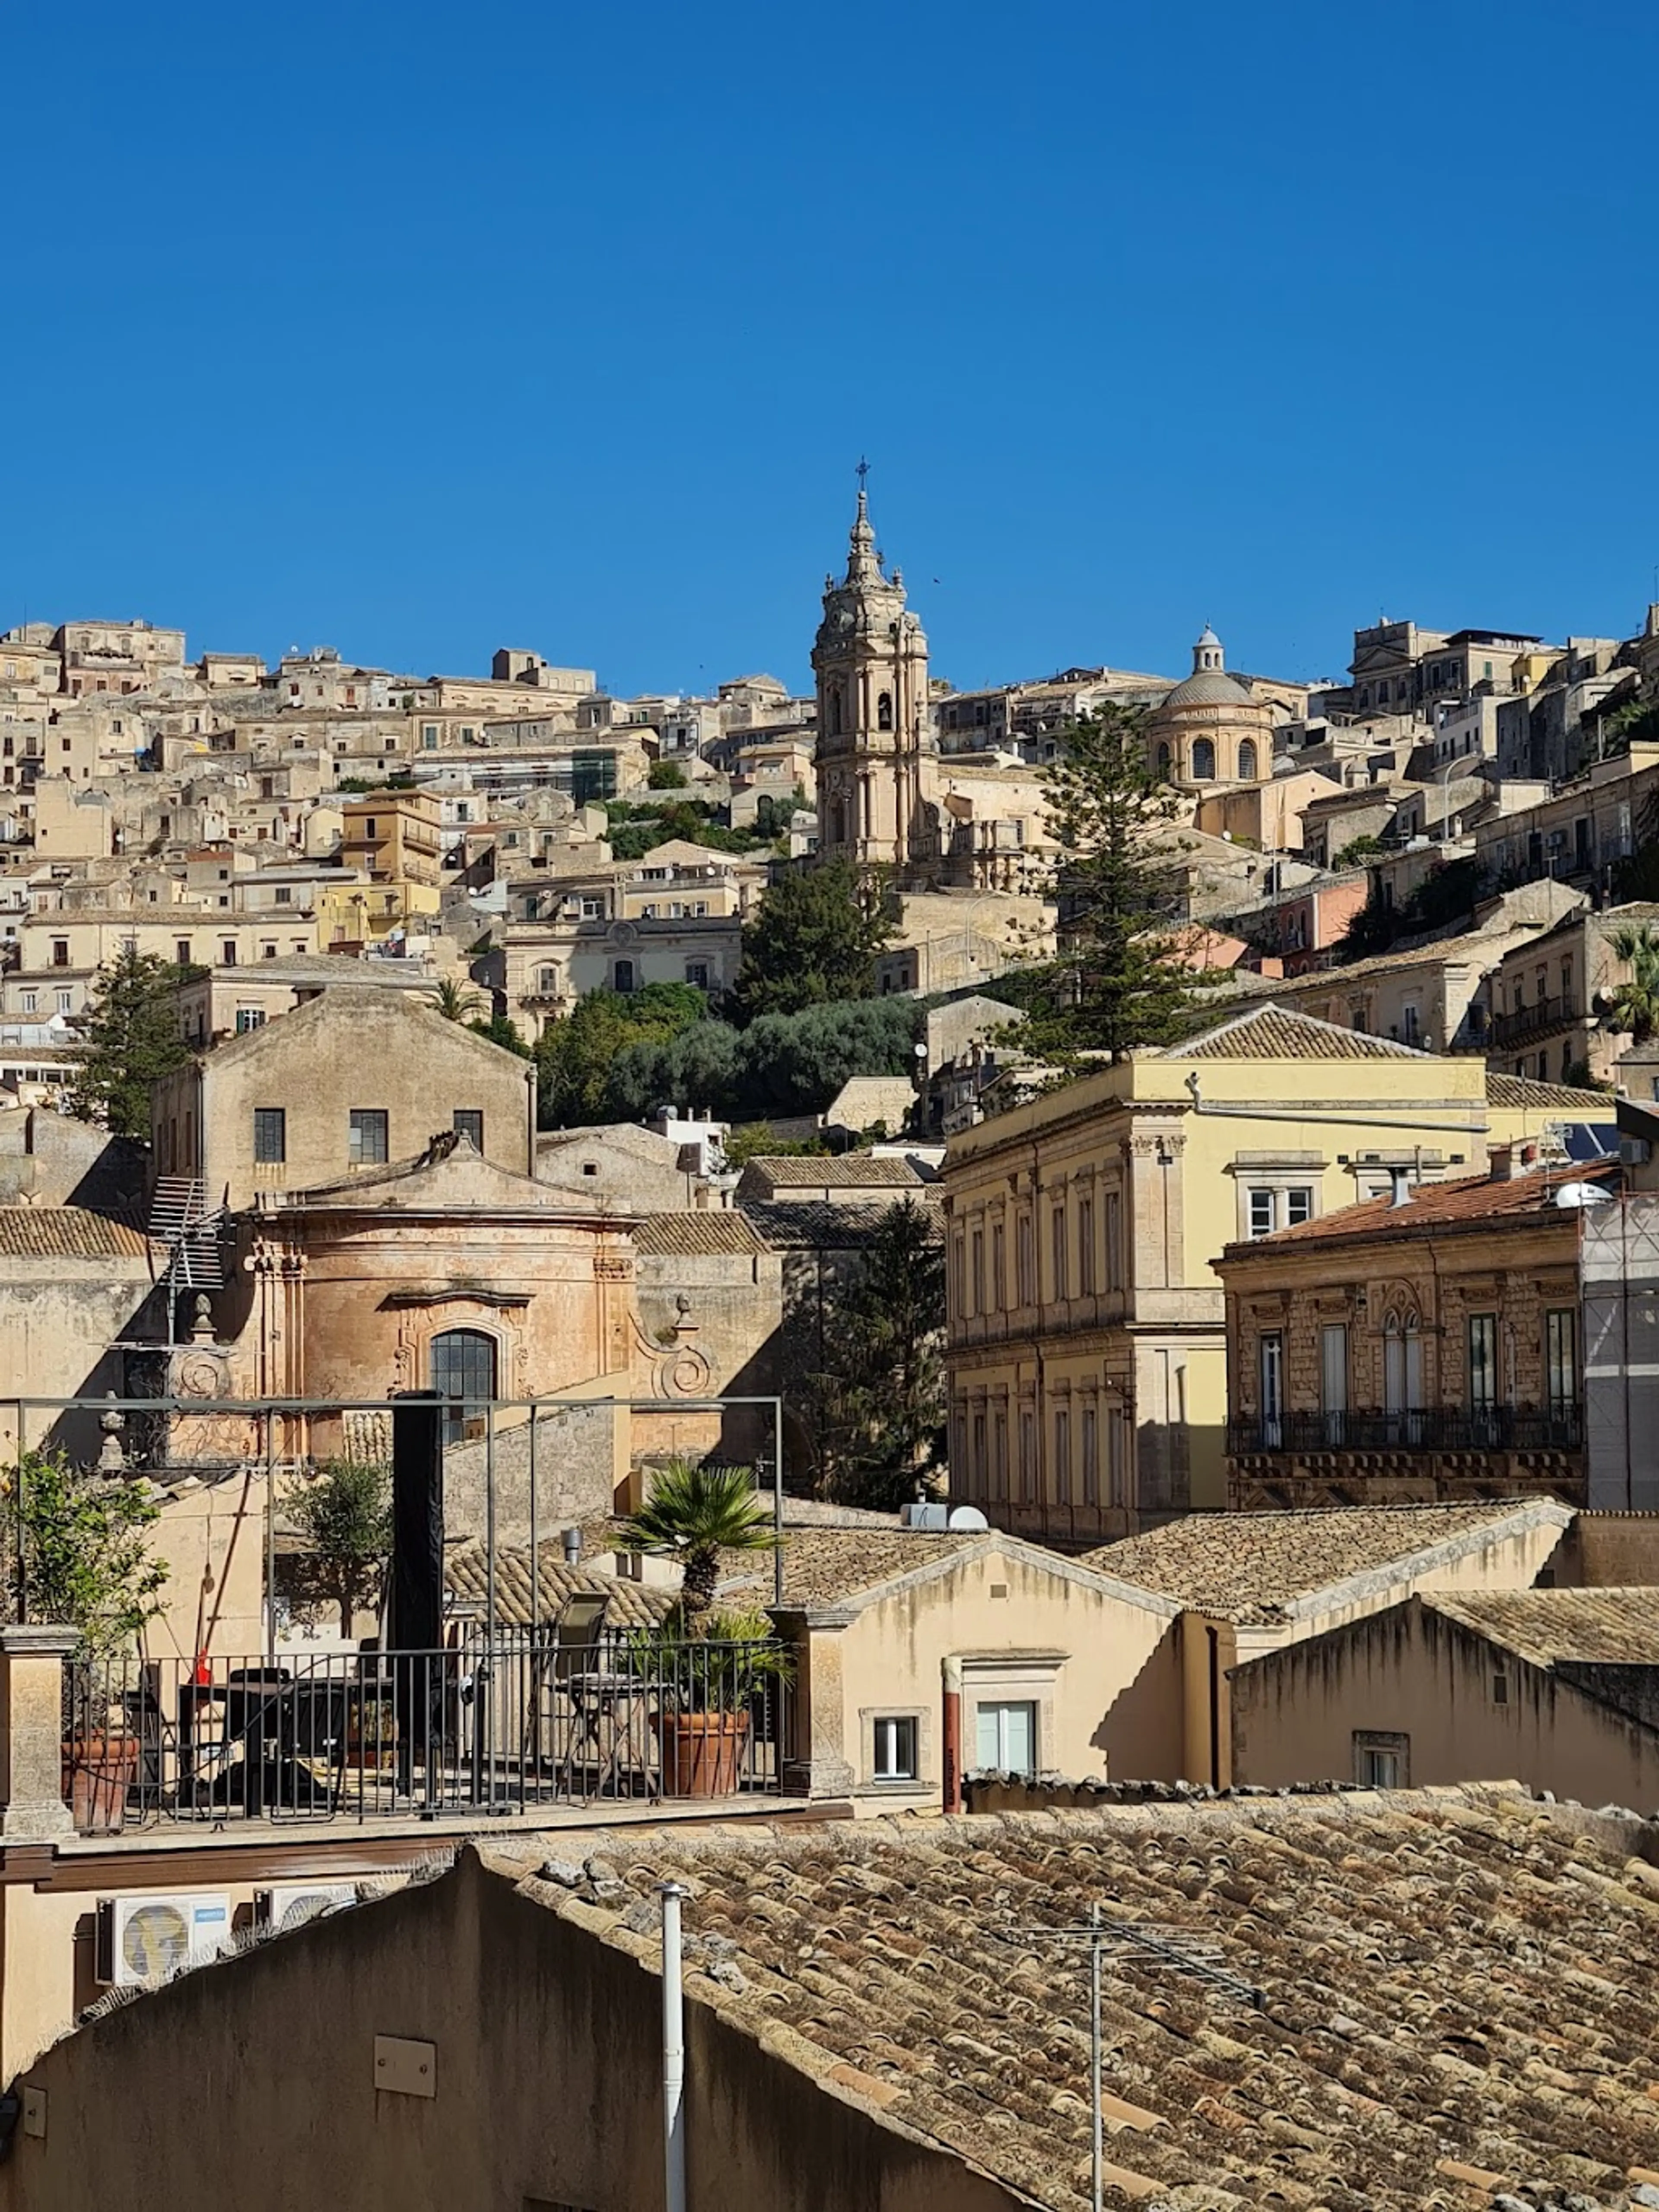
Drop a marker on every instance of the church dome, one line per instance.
(1209, 684)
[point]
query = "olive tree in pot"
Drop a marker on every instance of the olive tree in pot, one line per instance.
(709, 1666)
(81, 1558)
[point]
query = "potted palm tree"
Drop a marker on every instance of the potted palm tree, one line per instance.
(710, 1666)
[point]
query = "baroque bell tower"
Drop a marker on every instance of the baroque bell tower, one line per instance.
(874, 728)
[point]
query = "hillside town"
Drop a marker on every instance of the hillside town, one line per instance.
(916, 1422)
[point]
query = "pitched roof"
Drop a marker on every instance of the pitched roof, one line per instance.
(1521, 1091)
(1270, 1567)
(67, 1232)
(697, 1236)
(1452, 1989)
(466, 1575)
(1442, 1206)
(1275, 1032)
(822, 1225)
(822, 1171)
(828, 1567)
(1601, 1627)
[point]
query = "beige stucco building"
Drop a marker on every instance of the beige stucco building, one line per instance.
(355, 1078)
(1086, 1345)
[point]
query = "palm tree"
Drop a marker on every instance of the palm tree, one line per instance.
(459, 1002)
(693, 1513)
(1634, 1005)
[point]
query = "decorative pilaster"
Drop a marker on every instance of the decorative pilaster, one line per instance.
(32, 1663)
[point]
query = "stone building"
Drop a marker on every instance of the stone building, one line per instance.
(1210, 729)
(1424, 1345)
(354, 1080)
(875, 739)
(1087, 1349)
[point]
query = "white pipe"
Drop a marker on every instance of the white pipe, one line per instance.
(673, 2050)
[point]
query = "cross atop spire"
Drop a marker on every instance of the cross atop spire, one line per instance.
(862, 470)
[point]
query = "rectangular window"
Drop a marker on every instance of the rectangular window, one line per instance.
(366, 1138)
(249, 1018)
(1058, 1254)
(1063, 1455)
(1483, 1362)
(999, 1462)
(958, 1277)
(227, 952)
(999, 1268)
(1117, 1461)
(895, 1748)
(65, 1002)
(1114, 1241)
(270, 1135)
(1382, 1759)
(1086, 1248)
(1299, 1206)
(1006, 1736)
(1028, 1457)
(696, 975)
(1262, 1213)
(976, 1272)
(1270, 1355)
(469, 1123)
(980, 1462)
(31, 1001)
(1090, 1457)
(60, 953)
(1025, 1260)
(1333, 1378)
(182, 951)
(1561, 1361)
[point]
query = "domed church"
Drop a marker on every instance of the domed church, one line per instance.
(1209, 730)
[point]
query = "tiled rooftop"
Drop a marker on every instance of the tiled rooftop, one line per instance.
(1521, 1091)
(824, 1226)
(1439, 1205)
(1273, 1032)
(1601, 1627)
(697, 1236)
(630, 1604)
(1456, 1991)
(1252, 1567)
(850, 1172)
(827, 1566)
(67, 1232)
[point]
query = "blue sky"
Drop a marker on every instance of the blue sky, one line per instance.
(420, 329)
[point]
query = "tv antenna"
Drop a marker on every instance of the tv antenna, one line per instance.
(1169, 1948)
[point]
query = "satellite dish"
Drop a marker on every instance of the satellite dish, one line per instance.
(967, 1518)
(1582, 1194)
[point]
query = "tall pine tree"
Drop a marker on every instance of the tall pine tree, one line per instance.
(813, 937)
(130, 1039)
(1118, 981)
(879, 1400)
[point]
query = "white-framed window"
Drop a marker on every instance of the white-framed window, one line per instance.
(1270, 1355)
(894, 1747)
(1005, 1735)
(1271, 1206)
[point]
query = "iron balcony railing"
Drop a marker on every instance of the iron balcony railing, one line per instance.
(532, 1718)
(1538, 1019)
(1433, 1429)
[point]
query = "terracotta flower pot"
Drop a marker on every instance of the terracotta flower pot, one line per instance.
(702, 1752)
(98, 1772)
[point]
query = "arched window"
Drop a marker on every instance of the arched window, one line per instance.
(464, 1373)
(1163, 759)
(548, 981)
(834, 710)
(884, 711)
(1402, 1372)
(1203, 760)
(1246, 760)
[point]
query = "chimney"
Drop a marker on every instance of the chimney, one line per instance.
(1506, 1162)
(1400, 1181)
(573, 1547)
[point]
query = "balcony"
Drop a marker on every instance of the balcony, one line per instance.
(1542, 1018)
(1433, 1429)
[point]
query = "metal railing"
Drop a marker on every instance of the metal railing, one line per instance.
(556, 1715)
(1430, 1428)
(1538, 1019)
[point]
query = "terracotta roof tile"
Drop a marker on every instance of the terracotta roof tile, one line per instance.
(1438, 1206)
(1602, 1627)
(631, 1605)
(1520, 1091)
(67, 1232)
(697, 1236)
(851, 1171)
(1274, 1032)
(1256, 1566)
(1450, 1983)
(826, 1567)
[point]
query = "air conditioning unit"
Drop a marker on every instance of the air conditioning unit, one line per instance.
(289, 1905)
(142, 1940)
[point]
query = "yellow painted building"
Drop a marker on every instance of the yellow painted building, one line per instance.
(1087, 1348)
(394, 840)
